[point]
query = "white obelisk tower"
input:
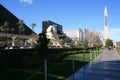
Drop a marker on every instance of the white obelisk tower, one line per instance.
(106, 32)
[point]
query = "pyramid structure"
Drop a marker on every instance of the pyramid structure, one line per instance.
(6, 15)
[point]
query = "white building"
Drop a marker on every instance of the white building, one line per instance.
(75, 34)
(83, 35)
(80, 34)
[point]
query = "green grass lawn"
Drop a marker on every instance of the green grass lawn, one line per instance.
(56, 71)
(118, 51)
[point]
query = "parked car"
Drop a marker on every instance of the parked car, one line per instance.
(14, 47)
(27, 47)
(2, 46)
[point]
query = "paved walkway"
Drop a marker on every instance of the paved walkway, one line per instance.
(104, 67)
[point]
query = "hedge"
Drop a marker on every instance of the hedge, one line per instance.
(28, 58)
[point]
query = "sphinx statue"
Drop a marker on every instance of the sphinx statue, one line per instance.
(51, 34)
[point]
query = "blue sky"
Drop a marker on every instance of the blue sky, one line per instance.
(71, 14)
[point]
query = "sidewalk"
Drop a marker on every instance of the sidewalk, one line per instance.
(104, 67)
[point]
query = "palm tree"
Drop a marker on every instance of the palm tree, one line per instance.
(1, 29)
(12, 30)
(23, 32)
(21, 27)
(33, 26)
(7, 31)
(5, 27)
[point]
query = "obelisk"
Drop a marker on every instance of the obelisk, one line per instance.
(106, 32)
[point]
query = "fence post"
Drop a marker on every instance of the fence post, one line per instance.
(84, 56)
(97, 52)
(45, 69)
(90, 55)
(84, 75)
(73, 65)
(94, 54)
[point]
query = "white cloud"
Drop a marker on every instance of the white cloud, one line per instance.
(26, 1)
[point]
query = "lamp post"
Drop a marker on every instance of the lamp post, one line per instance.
(84, 53)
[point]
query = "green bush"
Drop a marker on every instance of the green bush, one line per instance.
(28, 58)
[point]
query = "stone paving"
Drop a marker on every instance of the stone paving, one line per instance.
(104, 67)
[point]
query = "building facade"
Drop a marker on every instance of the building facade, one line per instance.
(84, 35)
(74, 34)
(47, 23)
(80, 34)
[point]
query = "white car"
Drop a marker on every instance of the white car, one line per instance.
(14, 47)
